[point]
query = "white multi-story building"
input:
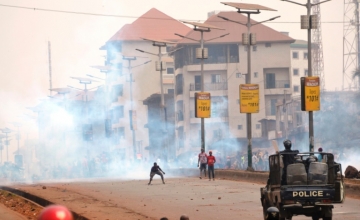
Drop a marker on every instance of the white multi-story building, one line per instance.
(299, 64)
(146, 80)
(224, 71)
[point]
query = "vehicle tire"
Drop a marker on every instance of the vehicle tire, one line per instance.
(327, 218)
(264, 208)
(315, 218)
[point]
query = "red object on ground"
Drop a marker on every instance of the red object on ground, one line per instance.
(55, 212)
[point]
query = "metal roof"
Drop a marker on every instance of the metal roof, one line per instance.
(263, 33)
(153, 24)
(202, 25)
(247, 6)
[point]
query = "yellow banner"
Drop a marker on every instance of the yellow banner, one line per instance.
(312, 93)
(202, 105)
(249, 98)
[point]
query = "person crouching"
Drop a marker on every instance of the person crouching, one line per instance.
(156, 170)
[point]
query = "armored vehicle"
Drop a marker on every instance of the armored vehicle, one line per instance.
(300, 184)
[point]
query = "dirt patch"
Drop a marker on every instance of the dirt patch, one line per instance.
(18, 204)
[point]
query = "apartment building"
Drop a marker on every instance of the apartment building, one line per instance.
(145, 79)
(224, 71)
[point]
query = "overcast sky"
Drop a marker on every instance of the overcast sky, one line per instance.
(76, 38)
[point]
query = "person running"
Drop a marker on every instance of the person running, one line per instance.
(211, 161)
(202, 161)
(156, 170)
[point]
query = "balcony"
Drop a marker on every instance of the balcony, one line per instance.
(276, 87)
(209, 86)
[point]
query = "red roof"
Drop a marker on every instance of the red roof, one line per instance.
(263, 33)
(154, 25)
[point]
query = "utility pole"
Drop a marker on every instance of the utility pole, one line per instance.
(248, 39)
(201, 27)
(50, 73)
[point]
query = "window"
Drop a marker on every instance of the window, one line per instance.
(305, 72)
(267, 44)
(197, 80)
(116, 91)
(257, 126)
(245, 48)
(270, 81)
(170, 91)
(295, 72)
(305, 55)
(170, 70)
(215, 78)
(234, 53)
(240, 127)
(238, 75)
(273, 106)
(256, 74)
(117, 113)
(254, 48)
(296, 88)
(179, 84)
(295, 55)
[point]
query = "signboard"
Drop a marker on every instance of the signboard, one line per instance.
(132, 114)
(310, 93)
(249, 98)
(202, 105)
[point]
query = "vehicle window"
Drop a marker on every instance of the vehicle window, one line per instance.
(318, 173)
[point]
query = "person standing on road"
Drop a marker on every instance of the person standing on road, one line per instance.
(156, 170)
(211, 161)
(202, 161)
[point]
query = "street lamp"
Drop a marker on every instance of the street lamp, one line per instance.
(85, 81)
(201, 27)
(309, 22)
(132, 112)
(248, 39)
(6, 131)
(160, 67)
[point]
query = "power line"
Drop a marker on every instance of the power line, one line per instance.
(136, 17)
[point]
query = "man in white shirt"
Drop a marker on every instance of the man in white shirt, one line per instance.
(202, 162)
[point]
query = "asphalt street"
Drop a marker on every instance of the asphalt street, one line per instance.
(198, 198)
(8, 214)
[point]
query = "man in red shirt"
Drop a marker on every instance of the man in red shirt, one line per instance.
(211, 161)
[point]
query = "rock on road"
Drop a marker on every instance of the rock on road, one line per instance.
(114, 199)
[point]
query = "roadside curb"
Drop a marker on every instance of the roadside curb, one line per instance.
(352, 186)
(38, 200)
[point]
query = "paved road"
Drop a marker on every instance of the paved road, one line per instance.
(134, 199)
(8, 214)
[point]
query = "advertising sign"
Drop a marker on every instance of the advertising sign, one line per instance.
(310, 93)
(249, 98)
(202, 105)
